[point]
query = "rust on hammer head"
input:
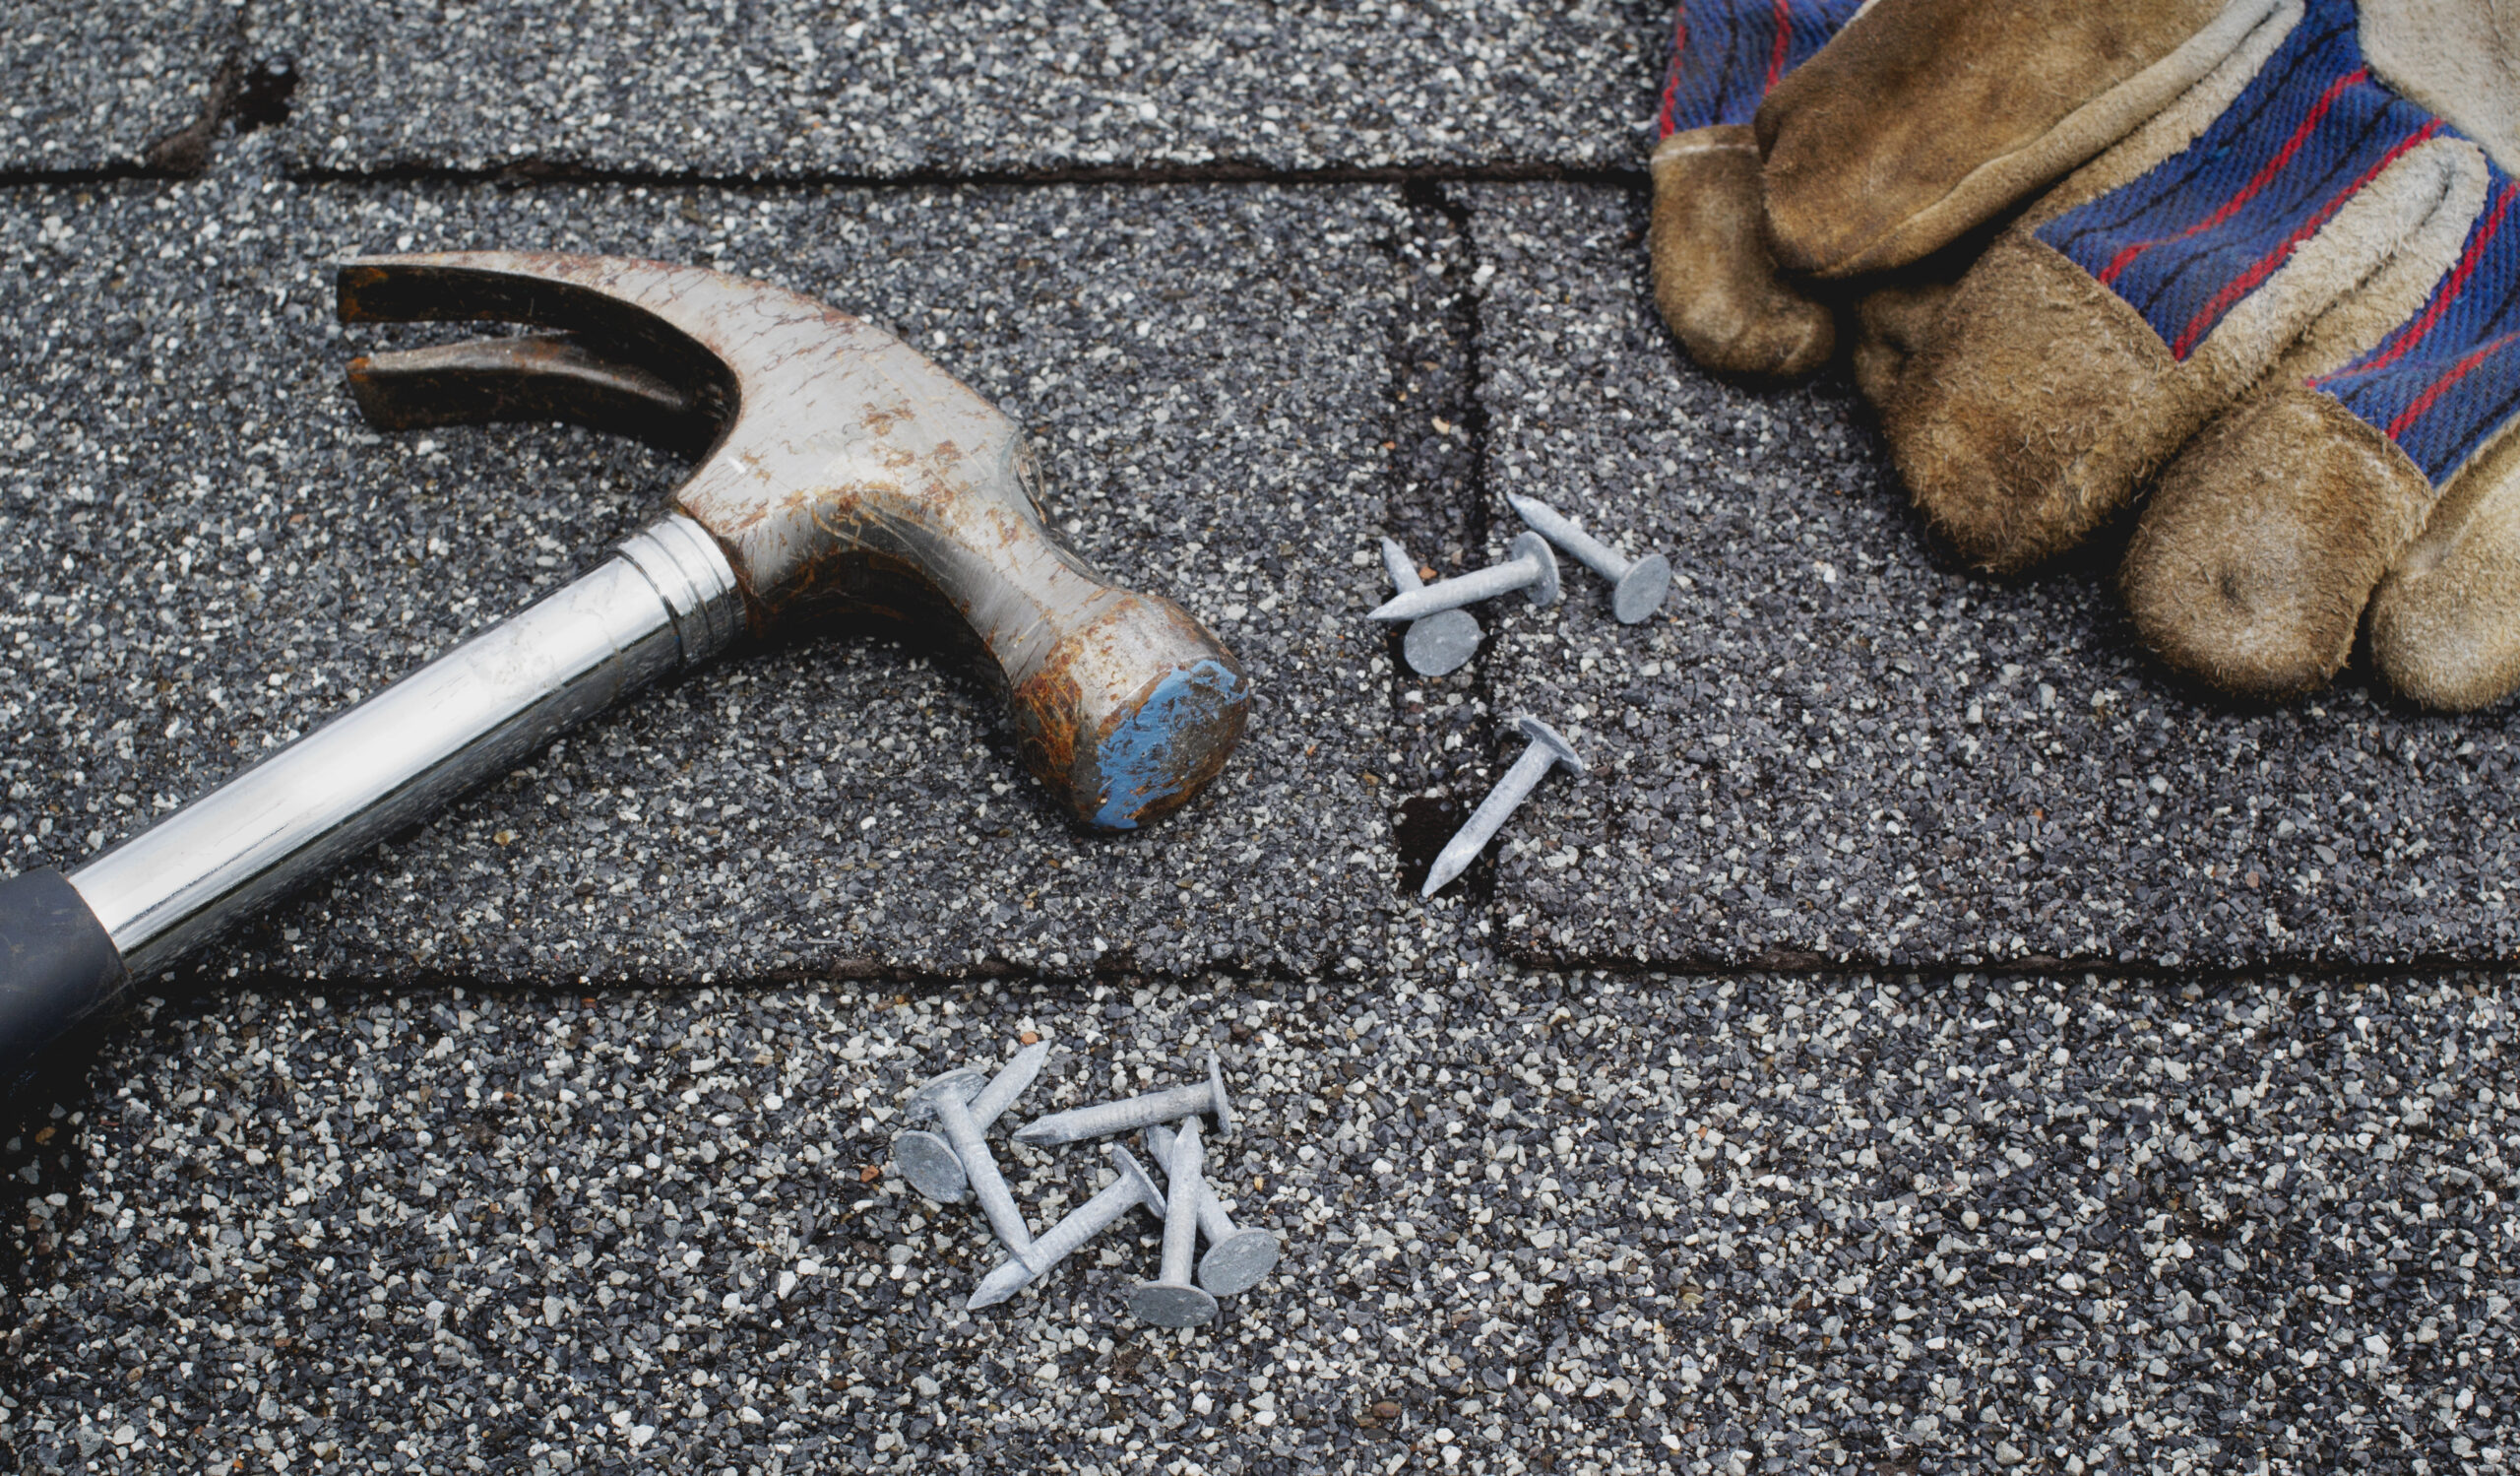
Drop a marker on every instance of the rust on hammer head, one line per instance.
(836, 462)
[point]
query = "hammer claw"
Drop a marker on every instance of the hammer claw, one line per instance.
(537, 377)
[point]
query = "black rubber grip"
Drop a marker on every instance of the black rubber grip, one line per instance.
(57, 968)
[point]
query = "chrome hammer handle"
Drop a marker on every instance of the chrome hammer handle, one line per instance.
(666, 600)
(669, 600)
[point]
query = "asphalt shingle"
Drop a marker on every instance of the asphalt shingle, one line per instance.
(383, 1186)
(866, 90)
(1830, 745)
(1937, 1224)
(112, 86)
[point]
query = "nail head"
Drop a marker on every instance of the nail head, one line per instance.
(959, 1084)
(930, 1165)
(1441, 643)
(1171, 1304)
(1548, 737)
(1640, 591)
(1543, 590)
(1239, 1262)
(1224, 1103)
(1138, 1178)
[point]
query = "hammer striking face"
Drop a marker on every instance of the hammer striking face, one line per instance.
(837, 468)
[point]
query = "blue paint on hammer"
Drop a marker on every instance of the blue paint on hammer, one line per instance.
(1136, 758)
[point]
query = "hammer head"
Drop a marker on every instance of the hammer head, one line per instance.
(838, 467)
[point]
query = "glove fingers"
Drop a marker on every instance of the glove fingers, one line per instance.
(1924, 119)
(2263, 541)
(1713, 281)
(2038, 403)
(1900, 315)
(2446, 625)
(1894, 325)
(2047, 399)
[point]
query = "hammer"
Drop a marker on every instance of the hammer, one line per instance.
(839, 468)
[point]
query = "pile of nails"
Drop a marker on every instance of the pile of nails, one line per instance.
(943, 1166)
(1442, 635)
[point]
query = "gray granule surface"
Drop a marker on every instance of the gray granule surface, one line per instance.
(85, 85)
(1557, 1223)
(1682, 1133)
(1830, 745)
(789, 89)
(218, 553)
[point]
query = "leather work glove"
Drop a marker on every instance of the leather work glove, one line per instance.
(1792, 174)
(2282, 294)
(2288, 303)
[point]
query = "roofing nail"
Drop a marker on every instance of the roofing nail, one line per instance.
(1062, 1240)
(1172, 1301)
(1637, 585)
(1547, 752)
(1236, 1259)
(1443, 641)
(1530, 566)
(949, 1096)
(929, 1163)
(1108, 1117)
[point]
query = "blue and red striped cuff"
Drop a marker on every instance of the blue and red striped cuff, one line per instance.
(2188, 240)
(1726, 54)
(2449, 378)
(2191, 238)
